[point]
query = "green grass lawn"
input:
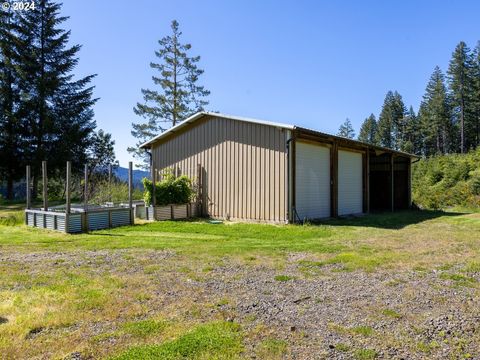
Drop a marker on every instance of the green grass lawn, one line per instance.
(47, 307)
(407, 239)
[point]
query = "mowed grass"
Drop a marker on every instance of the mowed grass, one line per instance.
(410, 239)
(112, 305)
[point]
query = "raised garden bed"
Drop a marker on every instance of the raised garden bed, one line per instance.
(79, 220)
(166, 212)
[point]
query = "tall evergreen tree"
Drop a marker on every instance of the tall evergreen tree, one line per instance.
(11, 168)
(435, 116)
(346, 129)
(179, 95)
(368, 130)
(411, 137)
(56, 107)
(101, 152)
(389, 131)
(460, 84)
(476, 94)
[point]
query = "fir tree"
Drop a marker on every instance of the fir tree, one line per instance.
(368, 130)
(101, 153)
(411, 137)
(346, 130)
(11, 166)
(460, 84)
(435, 116)
(389, 130)
(55, 107)
(179, 97)
(476, 94)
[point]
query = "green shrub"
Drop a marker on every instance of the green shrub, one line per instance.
(448, 180)
(171, 190)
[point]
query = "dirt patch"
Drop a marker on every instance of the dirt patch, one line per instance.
(396, 315)
(317, 310)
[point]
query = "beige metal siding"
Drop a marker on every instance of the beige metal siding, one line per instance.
(244, 166)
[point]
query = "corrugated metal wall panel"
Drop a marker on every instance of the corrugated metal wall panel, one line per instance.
(163, 213)
(75, 223)
(60, 223)
(244, 166)
(180, 211)
(41, 220)
(350, 180)
(312, 183)
(50, 221)
(30, 221)
(98, 220)
(120, 217)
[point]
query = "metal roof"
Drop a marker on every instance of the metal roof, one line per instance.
(199, 115)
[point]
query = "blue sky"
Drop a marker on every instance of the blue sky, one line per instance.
(310, 63)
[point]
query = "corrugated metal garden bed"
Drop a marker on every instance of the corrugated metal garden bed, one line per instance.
(166, 212)
(79, 219)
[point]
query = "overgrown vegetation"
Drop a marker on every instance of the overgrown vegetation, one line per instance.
(116, 192)
(449, 180)
(170, 190)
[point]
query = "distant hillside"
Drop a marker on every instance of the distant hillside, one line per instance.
(448, 180)
(138, 175)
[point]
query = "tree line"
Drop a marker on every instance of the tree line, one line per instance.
(448, 120)
(45, 111)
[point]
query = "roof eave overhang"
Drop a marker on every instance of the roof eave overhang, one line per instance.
(350, 142)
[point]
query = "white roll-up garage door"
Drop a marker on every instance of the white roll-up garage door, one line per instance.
(312, 181)
(350, 181)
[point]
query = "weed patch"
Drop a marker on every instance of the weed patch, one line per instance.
(283, 278)
(365, 354)
(144, 328)
(272, 349)
(220, 340)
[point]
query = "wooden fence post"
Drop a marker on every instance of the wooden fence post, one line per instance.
(130, 189)
(85, 188)
(154, 182)
(392, 181)
(45, 185)
(110, 182)
(199, 190)
(67, 196)
(85, 199)
(29, 199)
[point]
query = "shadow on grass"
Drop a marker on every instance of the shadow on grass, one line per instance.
(391, 220)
